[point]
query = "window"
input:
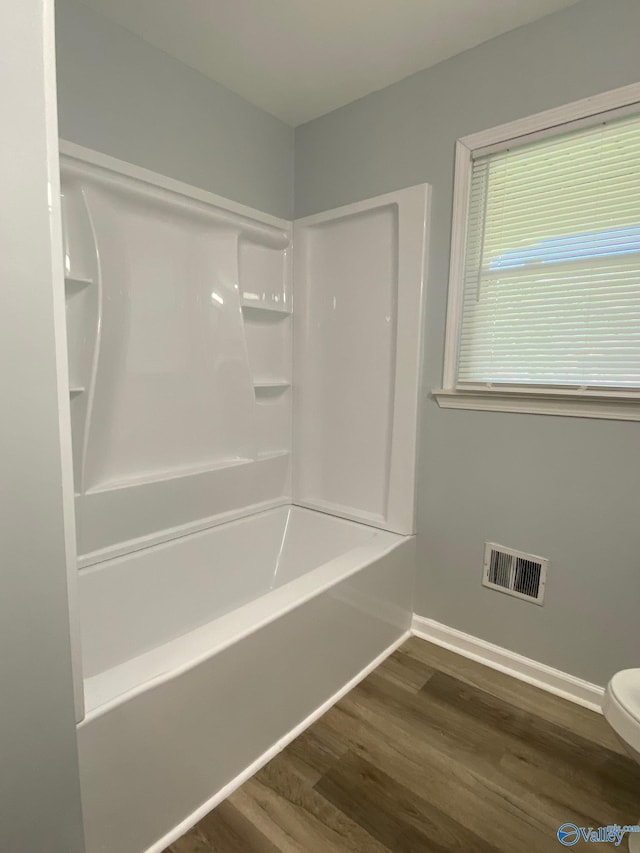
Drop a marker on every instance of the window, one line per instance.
(544, 302)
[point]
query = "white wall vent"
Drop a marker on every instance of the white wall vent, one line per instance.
(514, 572)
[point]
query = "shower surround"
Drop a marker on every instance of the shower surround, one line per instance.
(244, 400)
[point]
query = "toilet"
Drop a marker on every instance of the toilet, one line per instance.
(621, 708)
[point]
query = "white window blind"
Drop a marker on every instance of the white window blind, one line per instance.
(552, 263)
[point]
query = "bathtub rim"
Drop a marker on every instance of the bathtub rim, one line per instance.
(217, 635)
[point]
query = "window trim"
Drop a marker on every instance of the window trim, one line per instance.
(574, 402)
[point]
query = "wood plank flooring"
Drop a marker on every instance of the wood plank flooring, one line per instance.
(431, 752)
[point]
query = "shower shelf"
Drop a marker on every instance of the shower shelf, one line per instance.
(271, 383)
(118, 483)
(272, 454)
(74, 390)
(269, 390)
(74, 283)
(266, 310)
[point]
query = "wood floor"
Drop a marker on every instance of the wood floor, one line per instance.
(431, 752)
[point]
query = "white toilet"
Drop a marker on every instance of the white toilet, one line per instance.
(621, 707)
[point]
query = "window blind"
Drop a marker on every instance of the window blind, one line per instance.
(552, 262)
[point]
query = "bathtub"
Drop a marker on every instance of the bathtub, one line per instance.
(206, 655)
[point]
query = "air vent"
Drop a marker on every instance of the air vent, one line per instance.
(514, 572)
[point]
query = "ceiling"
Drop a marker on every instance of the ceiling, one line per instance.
(299, 59)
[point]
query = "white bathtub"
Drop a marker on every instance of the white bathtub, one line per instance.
(205, 655)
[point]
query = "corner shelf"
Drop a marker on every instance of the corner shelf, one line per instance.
(266, 312)
(265, 389)
(272, 454)
(271, 383)
(75, 283)
(74, 390)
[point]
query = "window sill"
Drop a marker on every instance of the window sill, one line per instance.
(576, 404)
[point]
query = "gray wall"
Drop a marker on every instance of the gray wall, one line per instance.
(565, 488)
(119, 95)
(39, 787)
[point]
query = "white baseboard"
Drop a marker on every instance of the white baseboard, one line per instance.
(189, 822)
(539, 674)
